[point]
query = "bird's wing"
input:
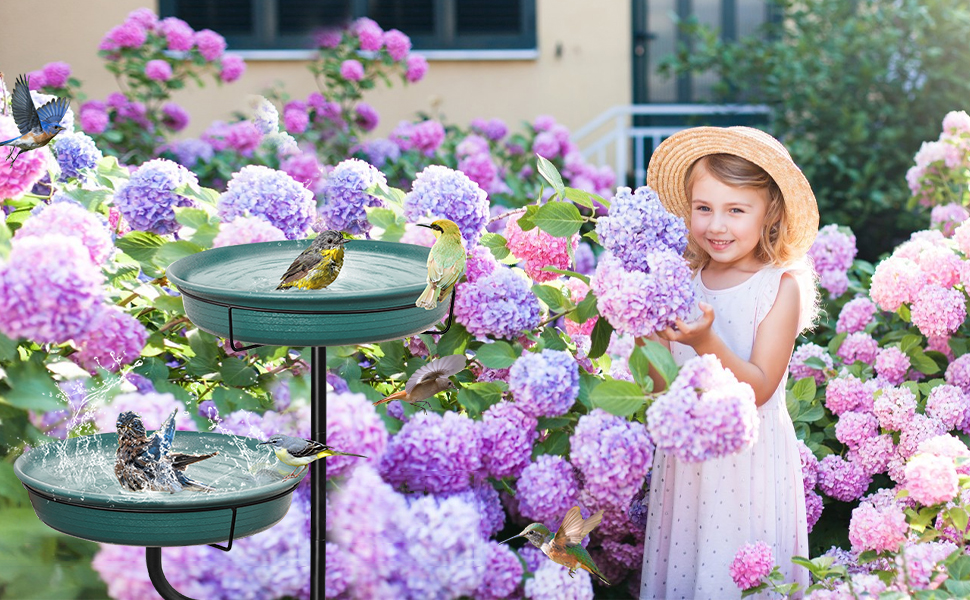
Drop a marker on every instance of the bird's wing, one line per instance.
(446, 366)
(308, 259)
(160, 442)
(573, 528)
(51, 113)
(22, 106)
(310, 448)
(180, 461)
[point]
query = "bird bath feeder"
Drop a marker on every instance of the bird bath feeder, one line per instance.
(73, 489)
(231, 292)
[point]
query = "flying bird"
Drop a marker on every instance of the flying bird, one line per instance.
(37, 126)
(566, 547)
(147, 463)
(446, 263)
(317, 266)
(429, 380)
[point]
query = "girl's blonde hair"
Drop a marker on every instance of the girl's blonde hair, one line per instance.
(774, 247)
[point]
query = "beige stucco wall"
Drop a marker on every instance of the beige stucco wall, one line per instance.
(591, 74)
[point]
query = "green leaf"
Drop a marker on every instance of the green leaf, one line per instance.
(173, 251)
(204, 361)
(909, 342)
(8, 349)
(388, 194)
(923, 363)
(551, 174)
(497, 355)
(552, 340)
(233, 399)
(959, 569)
(32, 387)
(812, 414)
(904, 314)
(836, 343)
(392, 362)
(959, 589)
(816, 363)
(236, 373)
(525, 222)
(91, 199)
(544, 423)
(584, 198)
(804, 389)
(384, 218)
(477, 397)
(958, 516)
(557, 443)
(200, 194)
(558, 219)
(580, 276)
(140, 245)
(153, 368)
(496, 243)
(640, 368)
(600, 338)
(453, 342)
(621, 398)
(661, 359)
(550, 296)
(586, 309)
(5, 238)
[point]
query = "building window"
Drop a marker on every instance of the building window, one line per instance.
(431, 24)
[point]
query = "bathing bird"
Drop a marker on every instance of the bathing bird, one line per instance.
(429, 380)
(147, 463)
(566, 547)
(446, 263)
(37, 126)
(298, 452)
(317, 266)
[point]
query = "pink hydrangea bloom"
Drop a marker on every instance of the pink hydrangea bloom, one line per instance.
(842, 480)
(211, 45)
(369, 33)
(809, 466)
(855, 315)
(950, 405)
(538, 249)
(918, 429)
(922, 560)
(158, 70)
(178, 34)
(296, 121)
(352, 70)
(69, 219)
(859, 346)
(948, 446)
(247, 230)
(847, 392)
(813, 508)
(129, 34)
(892, 365)
(56, 74)
(948, 217)
(958, 373)
(878, 529)
(798, 369)
(853, 428)
(116, 339)
(939, 311)
(578, 290)
(961, 237)
(896, 281)
(874, 454)
(751, 564)
(20, 175)
(941, 265)
(232, 68)
(94, 119)
(931, 479)
(417, 67)
(397, 43)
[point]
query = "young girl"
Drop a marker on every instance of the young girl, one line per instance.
(752, 217)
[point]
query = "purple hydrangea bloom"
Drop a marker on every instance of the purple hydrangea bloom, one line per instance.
(507, 438)
(503, 572)
(352, 70)
(417, 66)
(798, 369)
(246, 230)
(874, 454)
(706, 413)
(585, 259)
(69, 301)
(855, 315)
(266, 117)
(500, 304)
(832, 253)
(434, 453)
(638, 224)
(613, 454)
(56, 73)
(950, 405)
(958, 373)
(859, 346)
(345, 196)
(397, 43)
(809, 466)
(552, 582)
(479, 263)
(191, 151)
(211, 45)
(178, 34)
(273, 195)
(854, 428)
(544, 384)
(847, 392)
(440, 192)
(842, 480)
(158, 70)
(148, 200)
(115, 339)
(174, 116)
(76, 152)
(892, 365)
(353, 425)
(70, 219)
(547, 489)
(336, 578)
(894, 408)
(381, 151)
(367, 116)
(939, 311)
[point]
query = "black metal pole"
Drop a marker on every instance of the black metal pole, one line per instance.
(153, 560)
(318, 473)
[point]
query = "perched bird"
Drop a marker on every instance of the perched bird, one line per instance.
(298, 452)
(317, 266)
(37, 126)
(566, 549)
(446, 263)
(148, 463)
(429, 380)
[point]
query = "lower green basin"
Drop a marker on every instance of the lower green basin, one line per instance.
(73, 489)
(372, 300)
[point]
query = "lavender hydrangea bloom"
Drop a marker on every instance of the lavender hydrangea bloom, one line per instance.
(246, 230)
(798, 367)
(499, 304)
(706, 413)
(265, 116)
(345, 196)
(638, 224)
(66, 305)
(949, 404)
(190, 151)
(273, 195)
(74, 153)
(353, 425)
(841, 479)
(640, 303)
(507, 438)
(441, 192)
(544, 384)
(115, 339)
(486, 501)
(552, 582)
(547, 489)
(503, 572)
(433, 453)
(70, 219)
(148, 200)
(809, 466)
(599, 439)
(855, 315)
(336, 578)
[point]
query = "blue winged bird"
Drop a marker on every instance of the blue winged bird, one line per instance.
(147, 463)
(37, 126)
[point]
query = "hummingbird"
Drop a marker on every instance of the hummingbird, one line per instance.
(565, 548)
(148, 463)
(317, 266)
(298, 452)
(37, 126)
(446, 263)
(429, 380)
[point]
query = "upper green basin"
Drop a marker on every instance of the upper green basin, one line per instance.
(371, 300)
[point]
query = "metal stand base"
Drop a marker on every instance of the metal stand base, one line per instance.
(153, 559)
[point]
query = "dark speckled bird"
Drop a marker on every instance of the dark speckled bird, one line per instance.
(317, 266)
(147, 463)
(37, 126)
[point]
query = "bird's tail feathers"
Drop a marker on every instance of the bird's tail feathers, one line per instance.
(427, 300)
(180, 461)
(335, 453)
(401, 395)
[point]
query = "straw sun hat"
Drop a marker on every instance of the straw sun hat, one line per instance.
(672, 158)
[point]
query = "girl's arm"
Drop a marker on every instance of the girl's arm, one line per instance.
(773, 343)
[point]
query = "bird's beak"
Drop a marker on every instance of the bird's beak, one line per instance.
(511, 538)
(424, 225)
(261, 443)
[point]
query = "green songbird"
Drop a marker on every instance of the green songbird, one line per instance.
(446, 263)
(317, 266)
(298, 452)
(566, 547)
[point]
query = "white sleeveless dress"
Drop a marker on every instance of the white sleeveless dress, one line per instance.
(700, 514)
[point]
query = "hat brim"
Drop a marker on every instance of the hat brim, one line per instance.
(670, 161)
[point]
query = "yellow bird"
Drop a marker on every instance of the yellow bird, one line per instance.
(446, 263)
(317, 266)
(298, 452)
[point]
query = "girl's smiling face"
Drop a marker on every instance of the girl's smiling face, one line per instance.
(725, 221)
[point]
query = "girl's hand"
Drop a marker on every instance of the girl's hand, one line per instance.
(694, 333)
